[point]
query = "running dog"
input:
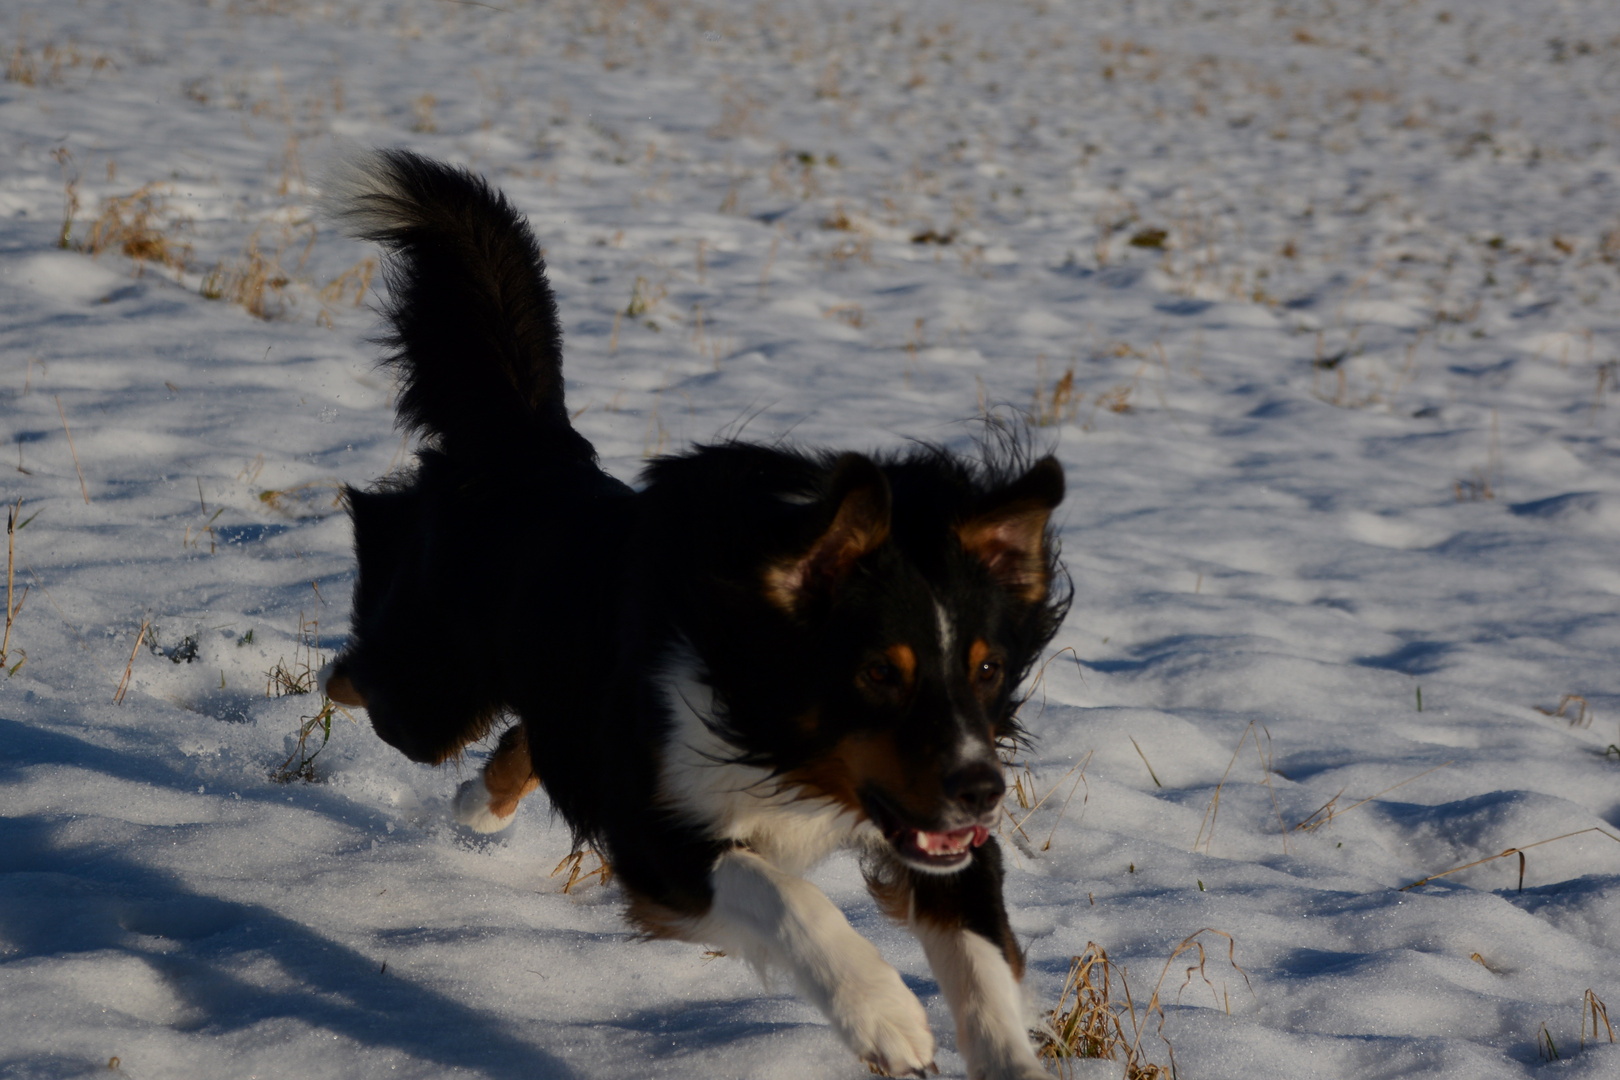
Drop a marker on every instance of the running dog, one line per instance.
(753, 659)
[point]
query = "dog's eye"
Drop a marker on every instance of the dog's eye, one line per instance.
(882, 673)
(989, 672)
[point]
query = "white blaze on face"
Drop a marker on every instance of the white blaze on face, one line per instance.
(967, 749)
(947, 633)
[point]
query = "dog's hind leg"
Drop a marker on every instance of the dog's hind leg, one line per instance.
(487, 804)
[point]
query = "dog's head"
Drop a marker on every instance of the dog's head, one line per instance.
(922, 599)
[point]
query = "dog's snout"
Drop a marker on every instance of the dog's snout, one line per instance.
(978, 787)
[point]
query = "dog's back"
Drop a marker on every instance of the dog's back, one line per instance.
(506, 508)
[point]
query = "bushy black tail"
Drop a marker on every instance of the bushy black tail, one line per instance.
(474, 325)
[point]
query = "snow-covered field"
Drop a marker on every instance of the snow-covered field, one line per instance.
(1318, 303)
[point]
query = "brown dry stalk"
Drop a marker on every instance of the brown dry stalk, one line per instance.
(1591, 1003)
(1519, 851)
(73, 450)
(135, 224)
(1143, 756)
(302, 677)
(1040, 676)
(1081, 765)
(287, 772)
(1214, 808)
(1265, 773)
(574, 862)
(1316, 820)
(1094, 1025)
(1065, 808)
(255, 281)
(123, 684)
(10, 567)
(1583, 716)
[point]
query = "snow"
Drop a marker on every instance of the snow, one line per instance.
(1346, 437)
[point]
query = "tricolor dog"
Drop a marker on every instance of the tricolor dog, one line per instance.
(755, 657)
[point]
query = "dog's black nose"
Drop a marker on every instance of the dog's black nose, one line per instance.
(978, 787)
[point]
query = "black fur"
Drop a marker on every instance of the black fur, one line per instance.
(511, 574)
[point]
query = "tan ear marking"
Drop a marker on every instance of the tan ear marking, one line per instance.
(1009, 536)
(860, 525)
(1011, 545)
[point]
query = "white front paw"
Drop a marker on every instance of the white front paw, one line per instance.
(472, 808)
(881, 1020)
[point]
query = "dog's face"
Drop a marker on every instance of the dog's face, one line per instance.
(923, 620)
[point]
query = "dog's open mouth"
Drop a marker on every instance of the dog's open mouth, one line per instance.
(948, 849)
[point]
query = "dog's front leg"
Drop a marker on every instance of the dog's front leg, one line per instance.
(774, 918)
(962, 923)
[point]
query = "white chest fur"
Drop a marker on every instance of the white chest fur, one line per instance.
(699, 779)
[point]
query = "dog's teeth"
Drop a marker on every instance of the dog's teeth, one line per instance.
(948, 843)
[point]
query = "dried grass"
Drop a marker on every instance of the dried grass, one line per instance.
(299, 677)
(70, 195)
(1583, 714)
(1592, 1005)
(644, 298)
(1485, 483)
(1060, 405)
(129, 668)
(1519, 851)
(302, 677)
(1151, 773)
(73, 450)
(256, 281)
(12, 514)
(1325, 814)
(1214, 808)
(140, 226)
(714, 348)
(1546, 1049)
(296, 499)
(853, 315)
(574, 863)
(1025, 795)
(1090, 1020)
(300, 764)
(356, 279)
(422, 114)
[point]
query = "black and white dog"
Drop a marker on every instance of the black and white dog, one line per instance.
(756, 658)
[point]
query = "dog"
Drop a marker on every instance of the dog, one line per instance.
(756, 657)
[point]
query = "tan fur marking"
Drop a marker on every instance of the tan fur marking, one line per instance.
(861, 759)
(891, 888)
(977, 654)
(1011, 542)
(861, 525)
(341, 690)
(905, 661)
(509, 775)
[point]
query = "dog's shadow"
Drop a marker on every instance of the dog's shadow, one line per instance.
(58, 900)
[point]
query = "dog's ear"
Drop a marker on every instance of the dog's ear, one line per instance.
(1008, 531)
(858, 504)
